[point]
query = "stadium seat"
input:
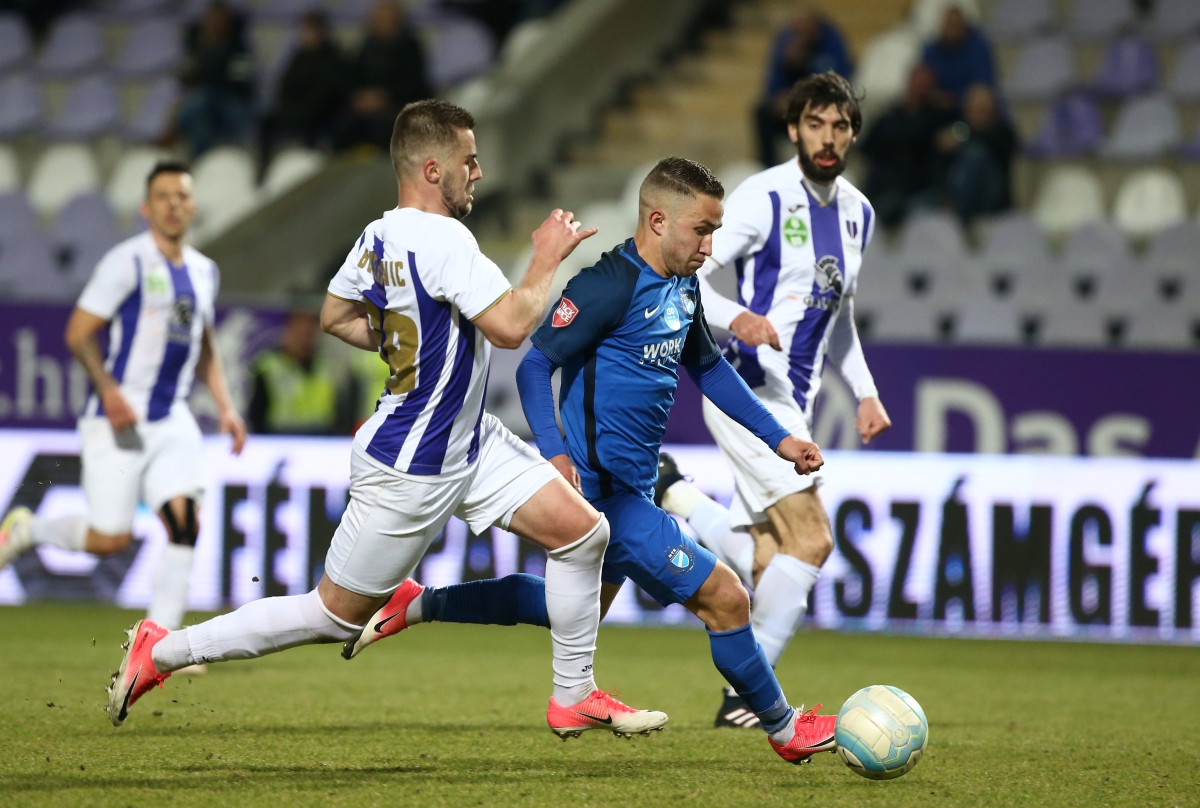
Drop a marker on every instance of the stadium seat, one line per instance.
(462, 47)
(16, 216)
(62, 173)
(1071, 127)
(15, 43)
(886, 62)
(152, 119)
(152, 47)
(1072, 324)
(1096, 248)
(83, 232)
(1184, 83)
(1146, 129)
(1099, 19)
(1174, 251)
(28, 270)
(224, 190)
(1013, 245)
(1163, 328)
(904, 319)
(1129, 67)
(931, 238)
(127, 185)
(91, 109)
(75, 45)
(732, 175)
(1016, 20)
(927, 15)
(987, 322)
(1174, 19)
(1044, 68)
(1150, 201)
(21, 106)
(10, 170)
(273, 46)
(290, 168)
(1068, 197)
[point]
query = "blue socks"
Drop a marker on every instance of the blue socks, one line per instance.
(741, 660)
(509, 601)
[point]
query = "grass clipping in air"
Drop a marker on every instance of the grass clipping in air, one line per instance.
(455, 715)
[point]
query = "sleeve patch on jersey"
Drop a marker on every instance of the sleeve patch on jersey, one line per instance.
(564, 314)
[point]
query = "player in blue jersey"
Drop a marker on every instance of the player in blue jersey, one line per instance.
(619, 334)
(795, 235)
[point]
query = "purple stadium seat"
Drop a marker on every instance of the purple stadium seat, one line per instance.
(1044, 68)
(75, 45)
(92, 108)
(21, 105)
(1096, 248)
(1174, 250)
(1100, 19)
(15, 43)
(1185, 80)
(153, 117)
(1147, 128)
(84, 231)
(1072, 126)
(28, 270)
(1015, 20)
(462, 48)
(152, 47)
(1129, 67)
(16, 215)
(1174, 19)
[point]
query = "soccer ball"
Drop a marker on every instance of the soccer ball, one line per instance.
(881, 732)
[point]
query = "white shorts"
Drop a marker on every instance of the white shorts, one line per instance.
(152, 463)
(393, 517)
(761, 477)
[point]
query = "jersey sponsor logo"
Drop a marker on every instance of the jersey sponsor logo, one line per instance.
(795, 231)
(564, 314)
(663, 353)
(679, 560)
(827, 284)
(689, 302)
(651, 312)
(671, 317)
(156, 284)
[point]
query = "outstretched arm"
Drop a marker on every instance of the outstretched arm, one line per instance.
(721, 384)
(537, 400)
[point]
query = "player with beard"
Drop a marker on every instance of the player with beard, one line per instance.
(416, 289)
(795, 235)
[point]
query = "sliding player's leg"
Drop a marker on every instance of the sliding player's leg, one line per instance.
(386, 528)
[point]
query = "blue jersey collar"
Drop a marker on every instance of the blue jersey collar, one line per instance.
(629, 250)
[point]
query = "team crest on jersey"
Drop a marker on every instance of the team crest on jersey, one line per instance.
(182, 313)
(852, 229)
(671, 317)
(564, 314)
(829, 276)
(689, 303)
(679, 560)
(795, 231)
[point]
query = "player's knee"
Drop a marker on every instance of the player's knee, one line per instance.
(180, 519)
(107, 543)
(725, 602)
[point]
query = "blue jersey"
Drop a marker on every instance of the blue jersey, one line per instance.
(619, 333)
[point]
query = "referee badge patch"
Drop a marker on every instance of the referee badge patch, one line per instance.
(564, 314)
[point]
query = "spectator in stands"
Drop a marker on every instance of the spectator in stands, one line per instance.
(808, 44)
(295, 388)
(960, 57)
(906, 167)
(387, 73)
(219, 77)
(981, 148)
(312, 91)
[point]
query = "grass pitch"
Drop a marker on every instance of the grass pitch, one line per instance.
(454, 715)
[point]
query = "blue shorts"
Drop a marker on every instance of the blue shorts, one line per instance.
(648, 546)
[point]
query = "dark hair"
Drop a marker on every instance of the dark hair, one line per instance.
(682, 177)
(424, 126)
(822, 90)
(166, 167)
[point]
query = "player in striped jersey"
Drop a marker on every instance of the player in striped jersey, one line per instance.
(155, 294)
(416, 288)
(795, 235)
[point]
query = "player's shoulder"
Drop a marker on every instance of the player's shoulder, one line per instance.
(425, 231)
(195, 259)
(846, 187)
(756, 188)
(127, 254)
(614, 274)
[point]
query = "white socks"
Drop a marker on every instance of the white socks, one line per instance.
(171, 579)
(259, 628)
(780, 601)
(711, 523)
(67, 532)
(573, 605)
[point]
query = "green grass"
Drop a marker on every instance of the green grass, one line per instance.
(454, 715)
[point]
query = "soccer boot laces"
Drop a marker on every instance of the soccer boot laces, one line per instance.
(814, 733)
(602, 710)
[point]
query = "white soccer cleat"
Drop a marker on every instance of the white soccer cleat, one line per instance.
(14, 535)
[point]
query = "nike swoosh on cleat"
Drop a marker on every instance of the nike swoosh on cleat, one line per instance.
(379, 626)
(651, 312)
(125, 704)
(606, 720)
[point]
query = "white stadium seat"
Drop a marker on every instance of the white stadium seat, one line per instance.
(886, 62)
(927, 15)
(1068, 197)
(62, 173)
(1150, 201)
(932, 238)
(290, 168)
(127, 186)
(225, 190)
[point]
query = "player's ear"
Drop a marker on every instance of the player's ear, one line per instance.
(658, 222)
(432, 171)
(794, 133)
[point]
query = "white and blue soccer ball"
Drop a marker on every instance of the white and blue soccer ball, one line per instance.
(881, 732)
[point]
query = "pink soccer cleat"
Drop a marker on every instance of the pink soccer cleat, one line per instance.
(137, 675)
(814, 733)
(389, 620)
(602, 710)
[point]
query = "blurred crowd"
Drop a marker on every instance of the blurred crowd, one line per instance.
(947, 143)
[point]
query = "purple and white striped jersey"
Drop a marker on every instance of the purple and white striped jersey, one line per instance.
(797, 263)
(158, 313)
(423, 280)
